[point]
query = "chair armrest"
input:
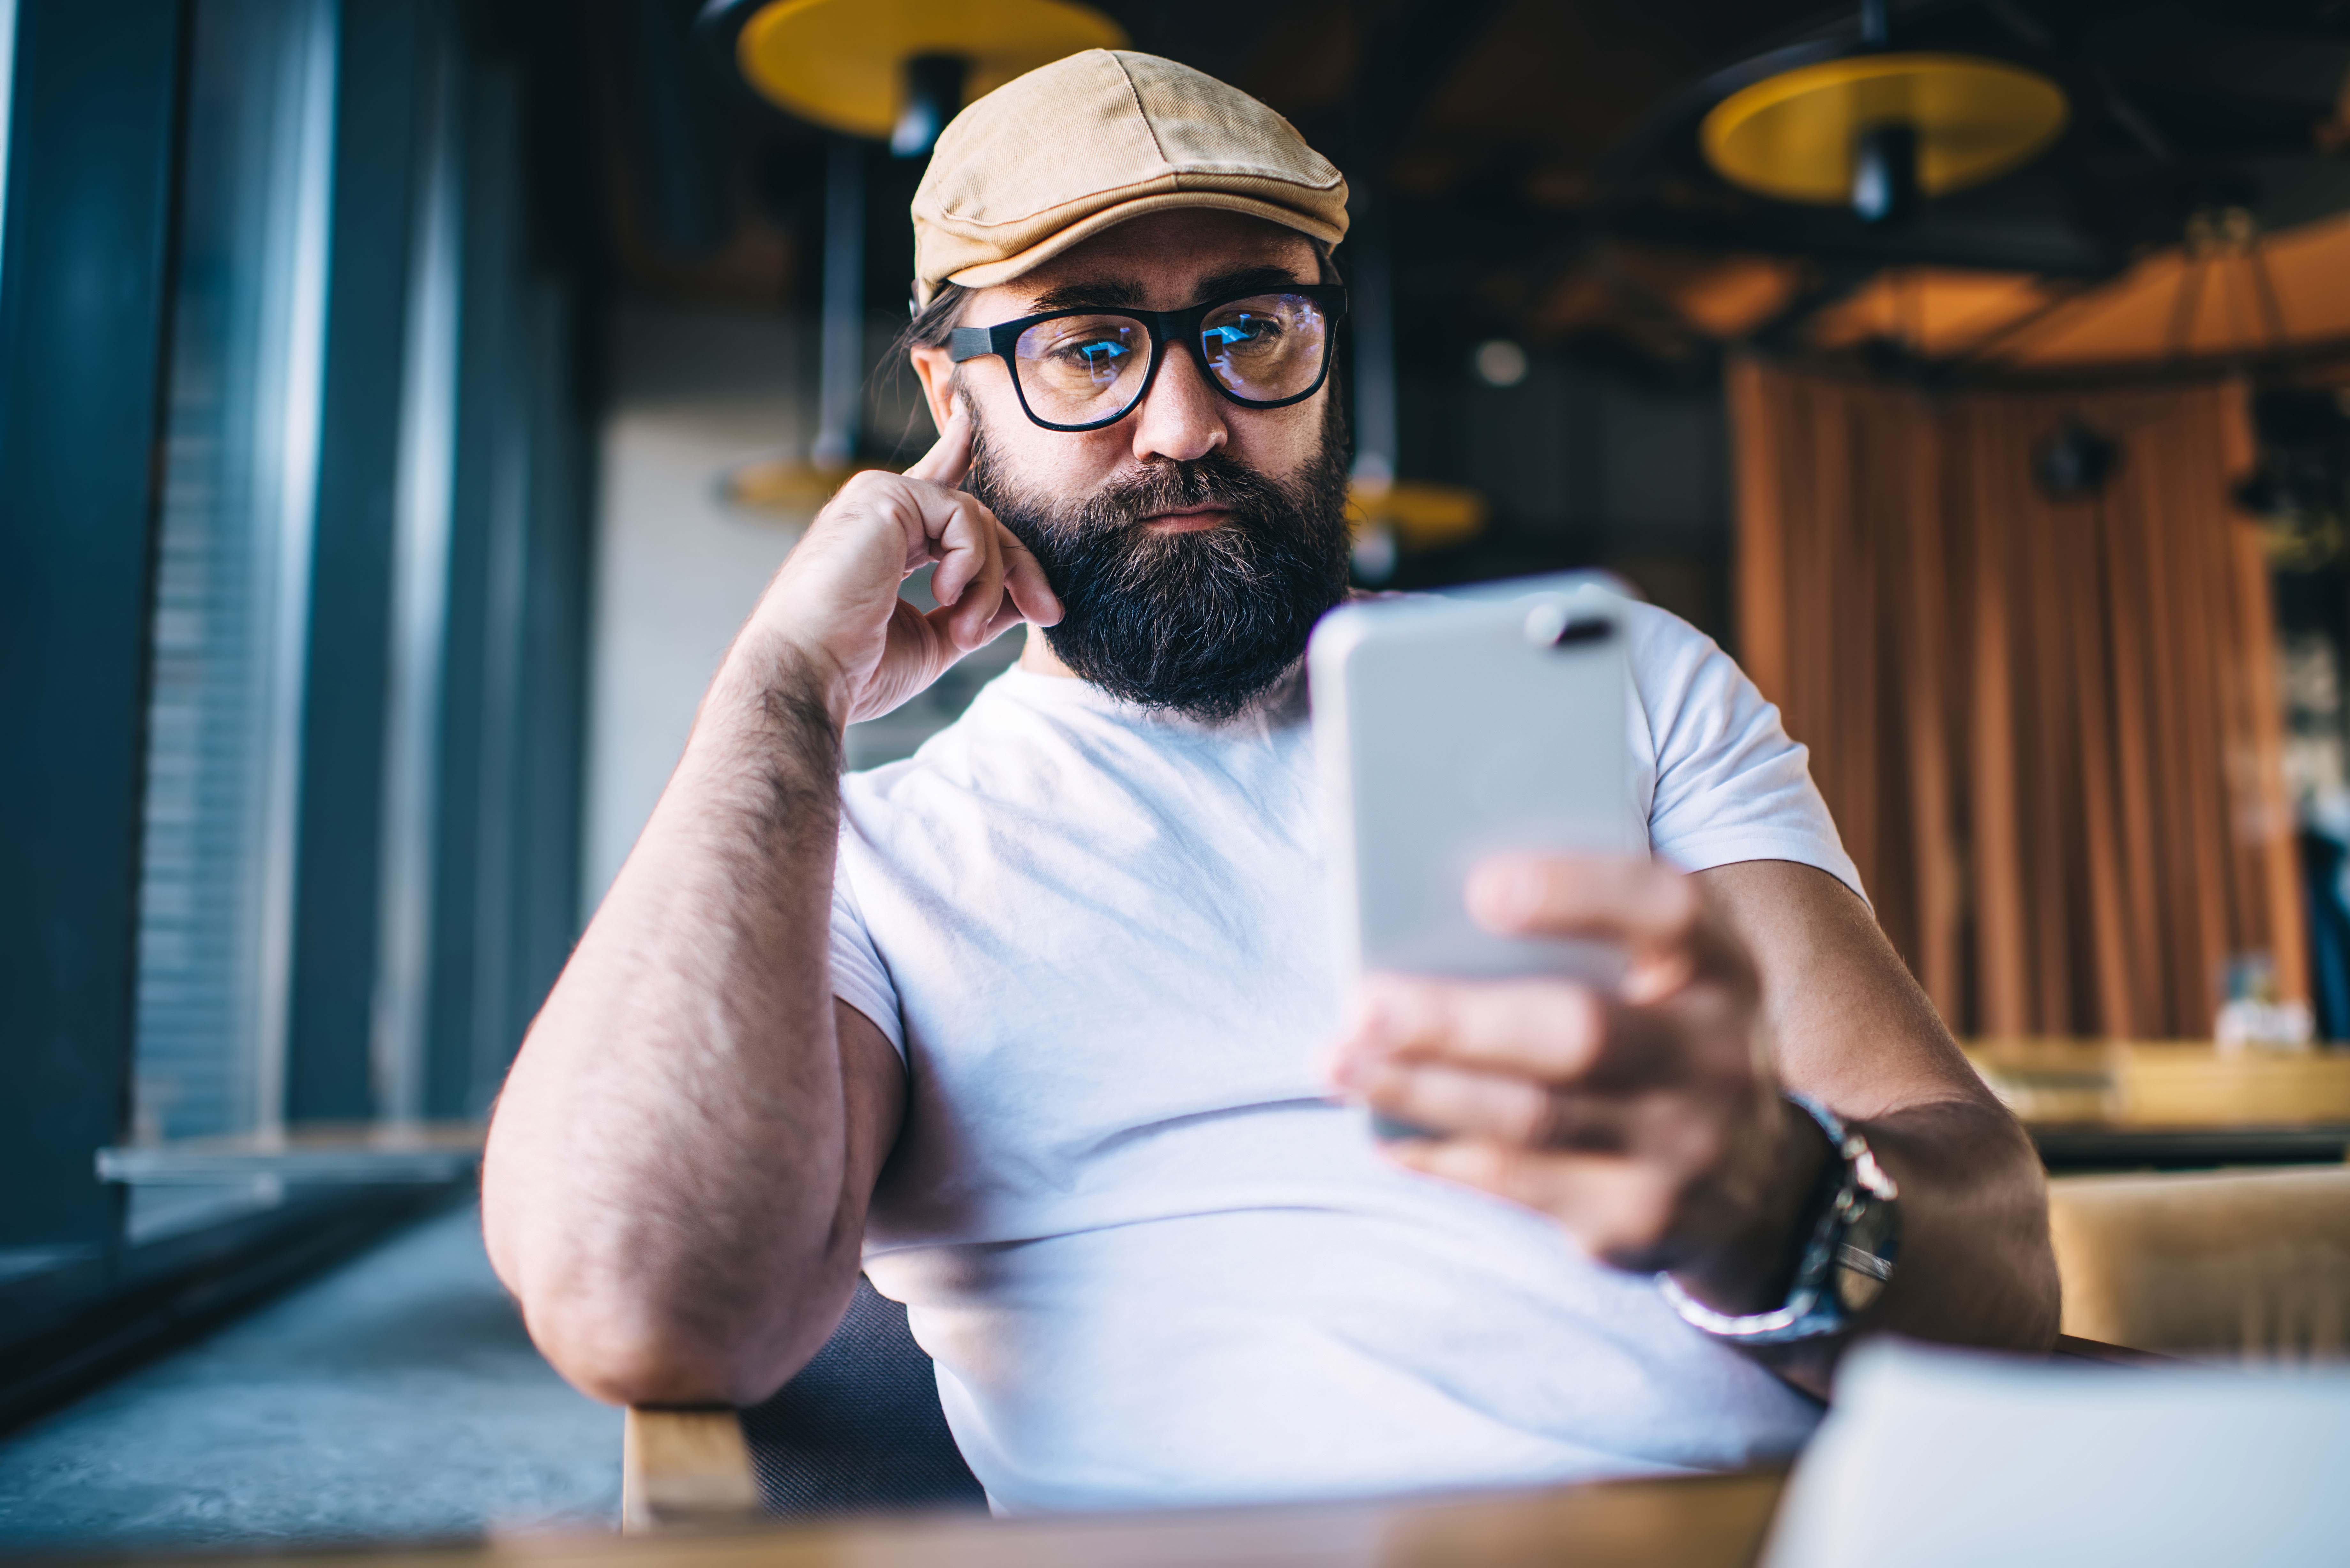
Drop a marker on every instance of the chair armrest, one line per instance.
(2239, 1264)
(686, 1468)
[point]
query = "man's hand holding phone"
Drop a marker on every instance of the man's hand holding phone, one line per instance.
(1647, 1122)
(834, 607)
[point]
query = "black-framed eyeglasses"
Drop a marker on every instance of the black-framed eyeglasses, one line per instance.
(1081, 370)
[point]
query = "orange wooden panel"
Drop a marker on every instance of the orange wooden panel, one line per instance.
(2000, 937)
(2099, 815)
(2052, 747)
(1762, 530)
(2182, 742)
(2212, 728)
(2122, 561)
(1821, 641)
(1925, 616)
(2043, 727)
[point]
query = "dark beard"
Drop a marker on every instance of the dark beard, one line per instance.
(1201, 623)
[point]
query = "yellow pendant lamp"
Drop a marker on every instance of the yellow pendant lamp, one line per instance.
(895, 69)
(902, 68)
(1876, 131)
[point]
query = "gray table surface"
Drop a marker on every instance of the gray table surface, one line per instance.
(394, 1398)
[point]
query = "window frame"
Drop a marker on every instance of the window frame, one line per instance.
(93, 167)
(85, 316)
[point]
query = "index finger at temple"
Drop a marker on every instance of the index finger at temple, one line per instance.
(1549, 1030)
(949, 458)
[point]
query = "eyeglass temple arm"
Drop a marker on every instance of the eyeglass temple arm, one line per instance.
(970, 343)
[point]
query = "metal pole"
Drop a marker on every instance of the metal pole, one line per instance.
(1373, 310)
(841, 381)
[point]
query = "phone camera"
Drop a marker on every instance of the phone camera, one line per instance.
(1552, 625)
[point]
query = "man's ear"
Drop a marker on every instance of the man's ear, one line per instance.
(936, 372)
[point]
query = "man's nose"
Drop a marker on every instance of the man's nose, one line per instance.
(1182, 419)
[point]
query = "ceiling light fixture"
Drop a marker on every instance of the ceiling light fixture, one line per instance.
(898, 70)
(1878, 130)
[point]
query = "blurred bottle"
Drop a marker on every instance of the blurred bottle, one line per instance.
(2254, 1017)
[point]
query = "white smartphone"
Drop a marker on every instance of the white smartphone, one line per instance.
(1449, 730)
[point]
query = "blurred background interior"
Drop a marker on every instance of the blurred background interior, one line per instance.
(401, 403)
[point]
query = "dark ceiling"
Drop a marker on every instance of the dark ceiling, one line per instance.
(1509, 147)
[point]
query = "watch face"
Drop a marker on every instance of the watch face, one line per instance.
(1865, 1260)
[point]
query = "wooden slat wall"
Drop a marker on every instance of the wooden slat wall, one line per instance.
(2050, 732)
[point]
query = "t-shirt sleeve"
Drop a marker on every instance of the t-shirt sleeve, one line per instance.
(1731, 785)
(858, 976)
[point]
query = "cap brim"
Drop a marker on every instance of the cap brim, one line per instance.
(988, 273)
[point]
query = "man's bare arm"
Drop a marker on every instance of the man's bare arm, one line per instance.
(1851, 1028)
(674, 1184)
(1647, 1120)
(677, 1176)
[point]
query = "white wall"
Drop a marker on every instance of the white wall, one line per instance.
(693, 393)
(696, 393)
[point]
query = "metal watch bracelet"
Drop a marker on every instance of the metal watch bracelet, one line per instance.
(1847, 1257)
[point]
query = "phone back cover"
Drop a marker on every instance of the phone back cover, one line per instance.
(1447, 732)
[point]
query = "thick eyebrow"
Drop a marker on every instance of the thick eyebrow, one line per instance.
(1123, 293)
(1249, 280)
(1101, 294)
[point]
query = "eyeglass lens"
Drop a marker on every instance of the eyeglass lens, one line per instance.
(1081, 370)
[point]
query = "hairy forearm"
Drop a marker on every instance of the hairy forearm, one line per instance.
(665, 1186)
(1974, 1266)
(1854, 1029)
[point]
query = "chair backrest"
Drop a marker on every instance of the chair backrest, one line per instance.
(2242, 1264)
(860, 1426)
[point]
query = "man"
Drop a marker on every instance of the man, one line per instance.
(1040, 1027)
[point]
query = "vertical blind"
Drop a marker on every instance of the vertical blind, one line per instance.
(2049, 730)
(423, 499)
(240, 490)
(479, 577)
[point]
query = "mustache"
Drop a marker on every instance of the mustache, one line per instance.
(1192, 484)
(1203, 622)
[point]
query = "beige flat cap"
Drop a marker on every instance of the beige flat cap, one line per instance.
(1093, 140)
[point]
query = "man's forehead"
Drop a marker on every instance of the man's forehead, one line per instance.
(1160, 263)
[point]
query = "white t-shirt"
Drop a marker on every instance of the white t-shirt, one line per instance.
(1154, 1265)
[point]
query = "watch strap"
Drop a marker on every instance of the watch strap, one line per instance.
(1847, 1255)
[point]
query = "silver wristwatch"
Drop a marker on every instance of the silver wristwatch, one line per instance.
(1846, 1259)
